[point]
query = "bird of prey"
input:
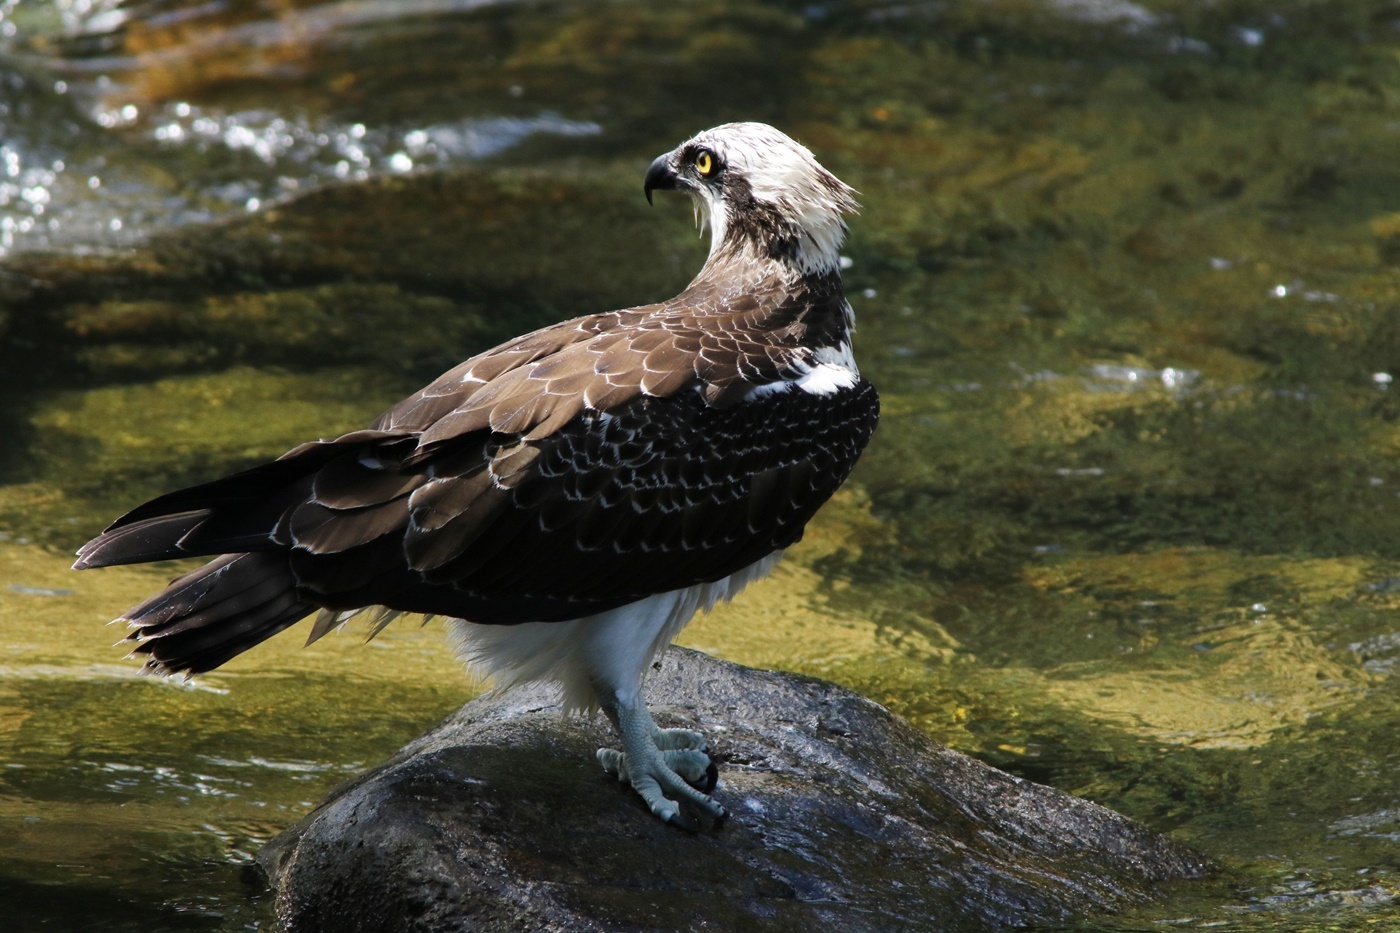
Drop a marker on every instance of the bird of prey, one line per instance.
(572, 497)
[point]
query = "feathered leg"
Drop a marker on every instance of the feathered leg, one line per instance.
(599, 661)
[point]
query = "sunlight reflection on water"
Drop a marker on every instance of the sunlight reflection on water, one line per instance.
(47, 201)
(82, 169)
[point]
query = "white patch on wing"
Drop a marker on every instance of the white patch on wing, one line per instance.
(825, 379)
(608, 651)
(831, 370)
(839, 356)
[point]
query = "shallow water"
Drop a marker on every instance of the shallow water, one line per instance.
(1126, 277)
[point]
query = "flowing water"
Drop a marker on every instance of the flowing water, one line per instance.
(1127, 277)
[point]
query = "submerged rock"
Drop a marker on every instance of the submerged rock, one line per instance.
(844, 817)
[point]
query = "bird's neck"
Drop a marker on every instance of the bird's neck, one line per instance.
(753, 271)
(781, 292)
(796, 261)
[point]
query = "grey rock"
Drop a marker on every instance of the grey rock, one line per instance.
(844, 817)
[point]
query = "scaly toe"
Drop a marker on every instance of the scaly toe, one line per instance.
(667, 739)
(613, 762)
(691, 765)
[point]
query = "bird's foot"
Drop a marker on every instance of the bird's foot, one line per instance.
(678, 738)
(667, 767)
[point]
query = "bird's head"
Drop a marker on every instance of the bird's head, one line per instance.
(763, 194)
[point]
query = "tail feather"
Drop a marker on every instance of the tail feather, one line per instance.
(187, 609)
(182, 592)
(205, 649)
(149, 539)
(253, 485)
(236, 490)
(242, 517)
(250, 591)
(217, 612)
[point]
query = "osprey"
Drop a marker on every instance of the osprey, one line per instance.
(572, 497)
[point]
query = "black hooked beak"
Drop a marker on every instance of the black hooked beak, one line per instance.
(660, 177)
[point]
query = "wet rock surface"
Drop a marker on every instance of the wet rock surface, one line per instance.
(844, 817)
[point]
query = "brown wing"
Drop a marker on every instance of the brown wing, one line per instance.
(662, 494)
(569, 470)
(728, 341)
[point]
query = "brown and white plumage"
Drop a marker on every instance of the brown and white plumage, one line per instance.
(572, 496)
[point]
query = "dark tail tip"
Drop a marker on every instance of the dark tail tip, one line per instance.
(215, 613)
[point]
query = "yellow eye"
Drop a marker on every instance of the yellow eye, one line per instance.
(704, 163)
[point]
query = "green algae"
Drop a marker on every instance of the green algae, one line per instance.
(1128, 286)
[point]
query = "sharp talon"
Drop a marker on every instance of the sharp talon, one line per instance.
(710, 780)
(682, 822)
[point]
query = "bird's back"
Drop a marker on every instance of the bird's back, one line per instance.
(569, 471)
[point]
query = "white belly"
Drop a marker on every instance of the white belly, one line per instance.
(604, 652)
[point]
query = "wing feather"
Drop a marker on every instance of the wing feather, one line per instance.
(566, 472)
(324, 530)
(442, 501)
(351, 482)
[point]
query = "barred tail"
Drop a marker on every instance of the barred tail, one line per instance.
(216, 612)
